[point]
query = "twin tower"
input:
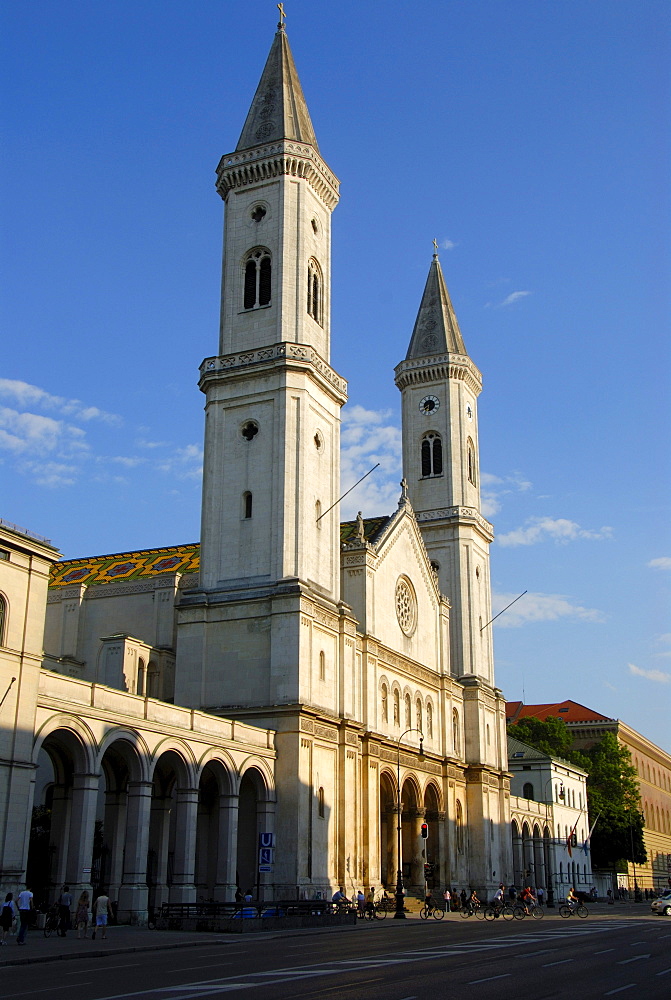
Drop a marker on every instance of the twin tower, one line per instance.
(279, 631)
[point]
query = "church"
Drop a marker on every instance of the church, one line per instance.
(290, 677)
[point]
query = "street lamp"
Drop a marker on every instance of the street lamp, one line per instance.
(400, 910)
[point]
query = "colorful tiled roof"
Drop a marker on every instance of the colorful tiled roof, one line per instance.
(126, 566)
(371, 528)
(569, 711)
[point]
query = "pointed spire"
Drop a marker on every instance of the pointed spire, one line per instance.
(436, 329)
(278, 110)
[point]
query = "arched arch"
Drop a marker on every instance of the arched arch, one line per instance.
(4, 616)
(431, 454)
(257, 278)
(471, 462)
(71, 734)
(131, 746)
(384, 694)
(456, 733)
(315, 298)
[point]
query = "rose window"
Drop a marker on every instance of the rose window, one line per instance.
(406, 606)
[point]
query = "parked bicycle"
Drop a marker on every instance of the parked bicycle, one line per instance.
(52, 920)
(568, 909)
(375, 911)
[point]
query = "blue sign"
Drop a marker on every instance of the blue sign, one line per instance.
(265, 856)
(266, 840)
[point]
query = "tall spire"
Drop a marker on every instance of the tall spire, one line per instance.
(278, 110)
(436, 329)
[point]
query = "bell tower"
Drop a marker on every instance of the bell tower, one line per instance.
(440, 386)
(269, 540)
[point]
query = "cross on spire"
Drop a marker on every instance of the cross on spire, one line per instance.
(435, 247)
(283, 16)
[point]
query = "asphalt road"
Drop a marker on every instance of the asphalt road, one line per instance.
(392, 960)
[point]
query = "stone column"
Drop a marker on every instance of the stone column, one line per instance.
(265, 823)
(518, 864)
(132, 907)
(539, 863)
(60, 832)
(528, 872)
(442, 851)
(183, 888)
(392, 847)
(159, 843)
(82, 828)
(418, 848)
(227, 849)
(114, 832)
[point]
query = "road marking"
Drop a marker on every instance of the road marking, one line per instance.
(604, 952)
(629, 986)
(533, 954)
(489, 979)
(664, 972)
(564, 961)
(45, 990)
(636, 958)
(662, 936)
(190, 968)
(632, 944)
(104, 968)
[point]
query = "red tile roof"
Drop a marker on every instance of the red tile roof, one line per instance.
(569, 711)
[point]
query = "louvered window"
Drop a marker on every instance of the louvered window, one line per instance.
(258, 279)
(315, 291)
(432, 455)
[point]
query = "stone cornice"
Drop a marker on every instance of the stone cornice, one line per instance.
(284, 354)
(468, 515)
(277, 159)
(443, 366)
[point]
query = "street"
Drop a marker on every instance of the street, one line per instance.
(600, 957)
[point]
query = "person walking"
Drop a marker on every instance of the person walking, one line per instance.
(464, 899)
(25, 912)
(64, 907)
(447, 896)
(8, 915)
(540, 895)
(101, 911)
(82, 915)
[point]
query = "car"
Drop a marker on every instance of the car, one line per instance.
(662, 904)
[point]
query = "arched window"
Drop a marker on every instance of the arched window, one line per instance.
(315, 306)
(429, 720)
(322, 665)
(408, 712)
(455, 732)
(418, 714)
(247, 505)
(470, 451)
(459, 827)
(397, 709)
(528, 791)
(489, 737)
(385, 704)
(318, 514)
(320, 802)
(3, 619)
(153, 679)
(257, 286)
(432, 455)
(141, 674)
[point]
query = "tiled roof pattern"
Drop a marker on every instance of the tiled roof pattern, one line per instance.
(371, 528)
(126, 566)
(516, 747)
(569, 711)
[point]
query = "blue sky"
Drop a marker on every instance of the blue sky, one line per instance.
(530, 138)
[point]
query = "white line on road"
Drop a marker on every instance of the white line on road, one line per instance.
(664, 972)
(190, 968)
(564, 961)
(104, 968)
(629, 986)
(47, 989)
(632, 944)
(505, 975)
(605, 951)
(636, 958)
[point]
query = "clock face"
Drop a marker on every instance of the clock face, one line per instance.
(429, 404)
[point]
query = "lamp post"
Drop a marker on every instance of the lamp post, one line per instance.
(560, 795)
(400, 910)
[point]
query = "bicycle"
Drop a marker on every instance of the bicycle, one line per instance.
(52, 921)
(493, 911)
(473, 909)
(432, 910)
(375, 911)
(566, 910)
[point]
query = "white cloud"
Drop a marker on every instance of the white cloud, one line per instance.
(447, 244)
(538, 607)
(560, 530)
(25, 395)
(514, 297)
(658, 676)
(184, 463)
(664, 562)
(33, 434)
(494, 488)
(368, 437)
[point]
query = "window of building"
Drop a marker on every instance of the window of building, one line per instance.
(397, 709)
(455, 732)
(322, 665)
(418, 715)
(318, 514)
(141, 676)
(408, 712)
(315, 306)
(320, 803)
(4, 555)
(470, 451)
(250, 430)
(459, 827)
(429, 720)
(432, 455)
(385, 704)
(257, 285)
(3, 619)
(528, 790)
(246, 505)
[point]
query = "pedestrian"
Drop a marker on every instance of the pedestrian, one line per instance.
(8, 915)
(101, 912)
(464, 899)
(64, 907)
(238, 895)
(361, 902)
(540, 895)
(447, 896)
(82, 915)
(25, 913)
(512, 893)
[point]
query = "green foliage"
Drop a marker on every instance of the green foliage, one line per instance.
(612, 788)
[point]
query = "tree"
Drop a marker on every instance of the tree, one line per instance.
(613, 798)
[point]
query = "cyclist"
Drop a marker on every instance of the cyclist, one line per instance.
(474, 902)
(370, 900)
(499, 899)
(339, 897)
(528, 899)
(571, 898)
